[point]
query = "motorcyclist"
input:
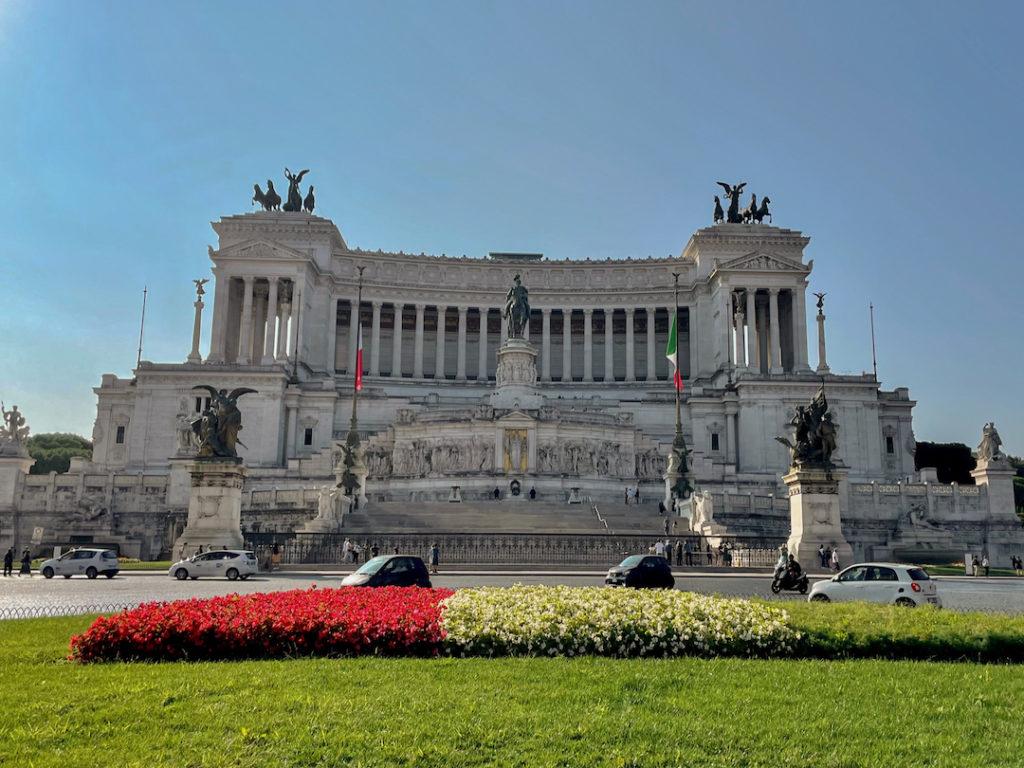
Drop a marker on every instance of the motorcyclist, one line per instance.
(782, 563)
(791, 573)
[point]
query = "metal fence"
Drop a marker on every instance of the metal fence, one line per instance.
(511, 549)
(50, 611)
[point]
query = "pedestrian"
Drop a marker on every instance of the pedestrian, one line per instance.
(669, 522)
(396, 550)
(9, 562)
(974, 565)
(661, 508)
(835, 559)
(679, 553)
(346, 550)
(356, 551)
(533, 493)
(497, 493)
(727, 555)
(435, 557)
(1019, 566)
(710, 555)
(625, 495)
(275, 557)
(659, 548)
(984, 564)
(821, 556)
(183, 550)
(26, 564)
(668, 551)
(374, 550)
(636, 495)
(688, 552)
(200, 550)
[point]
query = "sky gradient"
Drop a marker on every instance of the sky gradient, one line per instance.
(887, 132)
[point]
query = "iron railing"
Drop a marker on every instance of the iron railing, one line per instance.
(54, 610)
(509, 549)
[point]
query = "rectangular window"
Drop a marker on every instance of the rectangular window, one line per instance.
(714, 442)
(890, 447)
(120, 436)
(307, 438)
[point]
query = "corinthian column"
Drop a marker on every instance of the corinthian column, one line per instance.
(773, 320)
(588, 351)
(609, 356)
(630, 349)
(197, 327)
(566, 345)
(375, 340)
(752, 361)
(545, 345)
(442, 313)
(270, 332)
(396, 343)
(652, 373)
(460, 365)
(737, 327)
(245, 329)
(481, 373)
(417, 365)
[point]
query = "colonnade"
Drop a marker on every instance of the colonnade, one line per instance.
(768, 330)
(254, 321)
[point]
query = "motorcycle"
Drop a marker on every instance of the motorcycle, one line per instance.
(787, 581)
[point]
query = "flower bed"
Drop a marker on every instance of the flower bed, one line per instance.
(567, 621)
(321, 622)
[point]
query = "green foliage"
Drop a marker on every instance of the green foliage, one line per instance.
(953, 461)
(463, 713)
(53, 451)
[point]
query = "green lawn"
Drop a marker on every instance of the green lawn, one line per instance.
(517, 712)
(958, 570)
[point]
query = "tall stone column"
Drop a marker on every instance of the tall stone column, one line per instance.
(293, 346)
(396, 342)
(630, 348)
(197, 327)
(609, 352)
(282, 329)
(752, 361)
(545, 345)
(800, 329)
(481, 374)
(460, 366)
(417, 364)
(566, 345)
(442, 313)
(737, 327)
(588, 345)
(773, 320)
(652, 371)
(353, 335)
(694, 361)
(375, 340)
(218, 333)
(270, 333)
(331, 347)
(245, 328)
(822, 361)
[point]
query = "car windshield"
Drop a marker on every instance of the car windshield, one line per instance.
(108, 555)
(372, 566)
(918, 574)
(631, 562)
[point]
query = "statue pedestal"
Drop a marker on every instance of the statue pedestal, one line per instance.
(814, 515)
(997, 477)
(12, 470)
(329, 520)
(214, 505)
(517, 376)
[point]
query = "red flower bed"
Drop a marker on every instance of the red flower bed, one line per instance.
(313, 622)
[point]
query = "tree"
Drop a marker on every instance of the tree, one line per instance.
(53, 451)
(1018, 485)
(953, 461)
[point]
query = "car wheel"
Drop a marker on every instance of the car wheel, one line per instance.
(803, 588)
(905, 602)
(820, 598)
(232, 574)
(48, 572)
(91, 572)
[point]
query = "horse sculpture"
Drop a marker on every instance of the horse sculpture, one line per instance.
(733, 193)
(719, 213)
(762, 212)
(751, 210)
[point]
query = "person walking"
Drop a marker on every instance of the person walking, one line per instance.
(374, 550)
(26, 564)
(710, 555)
(821, 556)
(984, 564)
(1018, 566)
(835, 559)
(435, 557)
(9, 562)
(659, 548)
(625, 495)
(346, 550)
(661, 508)
(974, 565)
(275, 557)
(668, 550)
(688, 552)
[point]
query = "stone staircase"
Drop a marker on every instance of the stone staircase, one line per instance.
(500, 517)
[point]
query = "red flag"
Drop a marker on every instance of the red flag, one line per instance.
(359, 358)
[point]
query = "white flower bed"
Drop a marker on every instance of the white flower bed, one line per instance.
(569, 621)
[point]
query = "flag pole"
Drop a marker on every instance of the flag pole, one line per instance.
(676, 375)
(142, 325)
(874, 358)
(349, 483)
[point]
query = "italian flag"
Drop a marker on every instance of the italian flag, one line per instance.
(670, 353)
(359, 357)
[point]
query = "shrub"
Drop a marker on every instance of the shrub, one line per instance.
(567, 621)
(322, 622)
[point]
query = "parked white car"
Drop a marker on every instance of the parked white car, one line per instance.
(85, 561)
(905, 585)
(230, 563)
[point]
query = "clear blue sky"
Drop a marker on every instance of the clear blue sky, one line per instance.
(890, 133)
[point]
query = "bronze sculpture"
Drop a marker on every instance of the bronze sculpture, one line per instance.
(762, 212)
(719, 213)
(821, 302)
(750, 210)
(310, 202)
(517, 309)
(733, 193)
(294, 204)
(217, 428)
(816, 434)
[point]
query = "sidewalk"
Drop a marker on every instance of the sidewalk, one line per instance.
(491, 569)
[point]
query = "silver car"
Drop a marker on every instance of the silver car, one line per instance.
(229, 563)
(84, 561)
(892, 583)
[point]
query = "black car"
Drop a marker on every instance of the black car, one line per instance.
(641, 572)
(390, 571)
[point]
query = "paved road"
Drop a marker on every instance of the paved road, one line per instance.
(55, 596)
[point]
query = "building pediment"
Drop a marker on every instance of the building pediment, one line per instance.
(763, 261)
(515, 419)
(259, 250)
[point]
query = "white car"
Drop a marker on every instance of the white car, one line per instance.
(892, 583)
(231, 563)
(85, 561)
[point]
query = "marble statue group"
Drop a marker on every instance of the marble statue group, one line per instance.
(753, 213)
(14, 432)
(816, 434)
(216, 430)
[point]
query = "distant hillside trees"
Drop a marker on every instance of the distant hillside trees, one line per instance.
(953, 461)
(53, 451)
